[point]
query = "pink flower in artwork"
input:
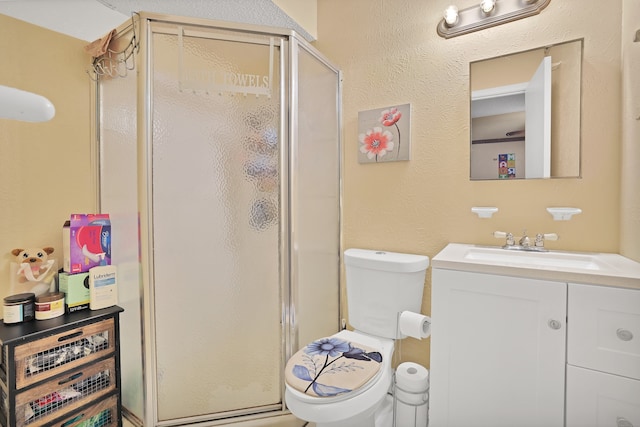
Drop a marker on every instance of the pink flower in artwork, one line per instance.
(390, 117)
(376, 142)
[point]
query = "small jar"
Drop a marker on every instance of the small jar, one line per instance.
(49, 306)
(19, 308)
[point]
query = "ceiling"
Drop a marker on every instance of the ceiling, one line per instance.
(91, 19)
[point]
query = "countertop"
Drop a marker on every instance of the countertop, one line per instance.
(605, 269)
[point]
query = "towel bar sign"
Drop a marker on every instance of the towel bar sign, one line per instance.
(210, 79)
(224, 81)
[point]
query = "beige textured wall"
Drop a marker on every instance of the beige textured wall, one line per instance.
(303, 12)
(45, 168)
(630, 165)
(390, 54)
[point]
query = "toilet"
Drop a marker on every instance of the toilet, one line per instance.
(344, 380)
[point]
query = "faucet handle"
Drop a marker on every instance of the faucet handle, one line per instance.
(510, 241)
(540, 238)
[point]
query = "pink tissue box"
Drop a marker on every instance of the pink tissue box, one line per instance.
(86, 241)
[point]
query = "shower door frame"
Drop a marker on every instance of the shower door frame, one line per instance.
(287, 138)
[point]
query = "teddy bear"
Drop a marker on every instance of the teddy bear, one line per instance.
(34, 265)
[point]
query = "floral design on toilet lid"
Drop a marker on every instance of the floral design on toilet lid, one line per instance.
(331, 366)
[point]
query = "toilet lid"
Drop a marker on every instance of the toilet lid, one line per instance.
(331, 366)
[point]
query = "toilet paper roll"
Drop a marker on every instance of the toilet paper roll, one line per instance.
(412, 377)
(411, 395)
(414, 325)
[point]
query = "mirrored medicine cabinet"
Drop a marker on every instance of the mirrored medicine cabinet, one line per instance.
(525, 114)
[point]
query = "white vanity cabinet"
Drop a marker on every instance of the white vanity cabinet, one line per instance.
(498, 350)
(539, 339)
(603, 357)
(534, 339)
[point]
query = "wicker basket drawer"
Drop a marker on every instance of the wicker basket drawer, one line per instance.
(60, 396)
(42, 359)
(102, 414)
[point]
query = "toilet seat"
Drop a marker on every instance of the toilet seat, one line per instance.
(345, 405)
(335, 368)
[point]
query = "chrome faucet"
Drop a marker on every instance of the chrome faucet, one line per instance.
(524, 244)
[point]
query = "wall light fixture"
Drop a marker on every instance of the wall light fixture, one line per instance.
(25, 106)
(488, 13)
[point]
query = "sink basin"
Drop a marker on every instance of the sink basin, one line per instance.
(577, 267)
(534, 259)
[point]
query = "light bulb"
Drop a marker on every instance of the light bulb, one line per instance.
(451, 16)
(487, 6)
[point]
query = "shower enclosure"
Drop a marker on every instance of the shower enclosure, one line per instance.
(219, 164)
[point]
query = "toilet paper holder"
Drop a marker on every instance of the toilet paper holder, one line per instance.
(410, 395)
(414, 325)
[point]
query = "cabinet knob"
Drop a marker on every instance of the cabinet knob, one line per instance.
(554, 324)
(624, 334)
(623, 422)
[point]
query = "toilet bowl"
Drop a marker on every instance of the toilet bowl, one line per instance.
(355, 408)
(344, 379)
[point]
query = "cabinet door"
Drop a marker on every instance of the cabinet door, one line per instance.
(596, 399)
(497, 350)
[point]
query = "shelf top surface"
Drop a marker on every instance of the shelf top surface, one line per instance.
(36, 328)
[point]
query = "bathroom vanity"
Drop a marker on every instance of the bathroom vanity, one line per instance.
(534, 339)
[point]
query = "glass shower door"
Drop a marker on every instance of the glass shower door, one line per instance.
(215, 190)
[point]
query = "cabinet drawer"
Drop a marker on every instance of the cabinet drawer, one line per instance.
(63, 395)
(38, 360)
(596, 399)
(604, 329)
(102, 414)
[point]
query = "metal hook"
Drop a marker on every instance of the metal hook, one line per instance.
(116, 63)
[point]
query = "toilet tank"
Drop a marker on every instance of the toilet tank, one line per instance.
(380, 285)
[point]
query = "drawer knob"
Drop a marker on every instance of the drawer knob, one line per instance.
(554, 324)
(624, 334)
(623, 422)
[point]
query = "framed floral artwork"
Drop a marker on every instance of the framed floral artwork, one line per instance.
(384, 134)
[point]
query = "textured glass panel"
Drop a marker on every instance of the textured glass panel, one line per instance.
(317, 199)
(216, 227)
(119, 198)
